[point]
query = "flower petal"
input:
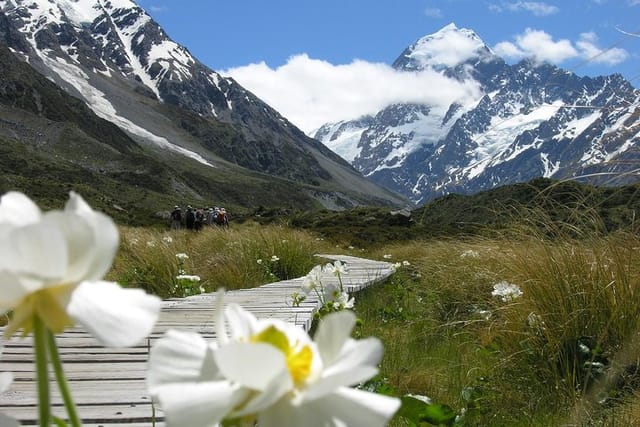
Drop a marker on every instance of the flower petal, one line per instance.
(242, 324)
(253, 365)
(80, 240)
(358, 407)
(35, 250)
(333, 331)
(106, 236)
(328, 384)
(117, 317)
(14, 289)
(197, 404)
(357, 363)
(345, 407)
(364, 352)
(177, 357)
(17, 209)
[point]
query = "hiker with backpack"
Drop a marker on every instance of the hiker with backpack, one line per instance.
(176, 218)
(190, 218)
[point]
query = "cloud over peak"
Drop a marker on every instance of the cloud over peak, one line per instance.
(311, 92)
(540, 46)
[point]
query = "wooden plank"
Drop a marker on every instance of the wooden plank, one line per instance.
(108, 385)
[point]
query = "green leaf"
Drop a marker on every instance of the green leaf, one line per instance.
(418, 412)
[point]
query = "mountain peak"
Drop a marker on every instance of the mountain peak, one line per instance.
(446, 48)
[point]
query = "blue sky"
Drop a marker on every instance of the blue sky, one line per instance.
(277, 48)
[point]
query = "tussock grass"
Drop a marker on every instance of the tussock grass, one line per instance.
(221, 258)
(564, 353)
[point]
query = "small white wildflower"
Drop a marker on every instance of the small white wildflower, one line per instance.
(312, 280)
(338, 268)
(182, 255)
(191, 278)
(259, 261)
(386, 256)
(397, 264)
(406, 263)
(470, 253)
(275, 258)
(506, 291)
(351, 247)
(167, 239)
(151, 244)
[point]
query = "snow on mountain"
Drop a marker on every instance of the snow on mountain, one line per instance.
(446, 48)
(529, 120)
(75, 38)
(117, 59)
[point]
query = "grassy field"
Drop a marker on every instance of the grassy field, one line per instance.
(535, 324)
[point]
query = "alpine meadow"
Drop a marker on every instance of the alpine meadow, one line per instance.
(450, 240)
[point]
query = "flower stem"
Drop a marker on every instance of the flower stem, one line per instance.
(40, 346)
(62, 381)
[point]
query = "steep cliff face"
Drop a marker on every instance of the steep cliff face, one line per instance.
(527, 120)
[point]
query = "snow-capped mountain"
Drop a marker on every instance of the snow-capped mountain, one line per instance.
(525, 120)
(115, 57)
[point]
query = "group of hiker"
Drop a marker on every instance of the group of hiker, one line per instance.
(196, 218)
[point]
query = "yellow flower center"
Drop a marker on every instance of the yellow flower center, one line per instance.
(298, 362)
(48, 304)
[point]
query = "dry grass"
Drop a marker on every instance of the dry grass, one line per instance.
(221, 258)
(533, 360)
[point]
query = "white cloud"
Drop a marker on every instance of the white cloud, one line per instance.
(588, 50)
(433, 12)
(537, 44)
(535, 7)
(541, 46)
(310, 92)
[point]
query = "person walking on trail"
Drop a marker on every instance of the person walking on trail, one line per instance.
(223, 218)
(199, 219)
(176, 218)
(190, 218)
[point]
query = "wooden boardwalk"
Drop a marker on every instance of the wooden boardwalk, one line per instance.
(109, 386)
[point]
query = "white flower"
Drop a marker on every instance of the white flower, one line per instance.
(151, 244)
(470, 253)
(406, 263)
(259, 261)
(190, 278)
(51, 265)
(274, 258)
(312, 280)
(506, 291)
(167, 239)
(270, 372)
(338, 268)
(386, 256)
(182, 256)
(343, 301)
